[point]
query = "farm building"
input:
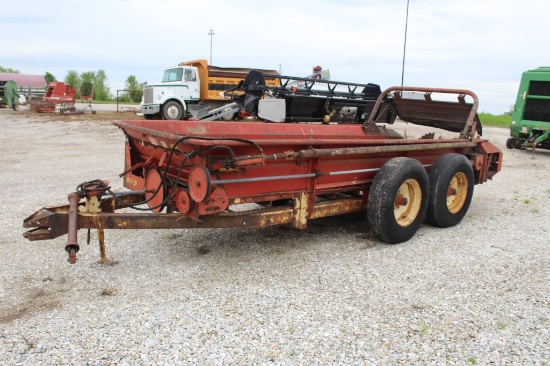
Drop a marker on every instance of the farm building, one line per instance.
(27, 85)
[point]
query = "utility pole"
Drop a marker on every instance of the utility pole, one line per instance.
(211, 33)
(405, 44)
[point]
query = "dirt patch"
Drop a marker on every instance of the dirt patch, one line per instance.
(37, 300)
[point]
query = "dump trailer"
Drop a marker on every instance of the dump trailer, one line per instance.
(189, 83)
(530, 126)
(226, 174)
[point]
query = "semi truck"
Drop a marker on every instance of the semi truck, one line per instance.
(290, 170)
(189, 83)
(530, 126)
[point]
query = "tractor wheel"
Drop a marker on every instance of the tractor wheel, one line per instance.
(510, 143)
(398, 200)
(451, 190)
(172, 110)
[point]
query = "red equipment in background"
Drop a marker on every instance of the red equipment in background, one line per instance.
(57, 93)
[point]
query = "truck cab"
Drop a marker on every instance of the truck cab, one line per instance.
(169, 99)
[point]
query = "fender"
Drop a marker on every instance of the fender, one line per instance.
(174, 97)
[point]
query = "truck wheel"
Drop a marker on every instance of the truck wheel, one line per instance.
(451, 190)
(172, 110)
(398, 200)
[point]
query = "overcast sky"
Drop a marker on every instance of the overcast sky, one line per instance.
(481, 45)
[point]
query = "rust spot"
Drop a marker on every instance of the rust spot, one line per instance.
(197, 130)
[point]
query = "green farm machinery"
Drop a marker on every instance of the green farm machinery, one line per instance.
(8, 94)
(530, 127)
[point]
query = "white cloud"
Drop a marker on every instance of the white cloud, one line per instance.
(483, 46)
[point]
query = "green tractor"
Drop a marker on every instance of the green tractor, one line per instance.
(530, 127)
(9, 95)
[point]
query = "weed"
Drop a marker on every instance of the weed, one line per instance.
(47, 279)
(501, 325)
(536, 211)
(527, 201)
(472, 360)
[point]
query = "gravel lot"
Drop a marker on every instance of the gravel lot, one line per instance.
(477, 293)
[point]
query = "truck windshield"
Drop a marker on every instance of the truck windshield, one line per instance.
(172, 75)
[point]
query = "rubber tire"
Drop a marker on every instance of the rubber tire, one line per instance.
(170, 107)
(381, 199)
(441, 174)
(510, 143)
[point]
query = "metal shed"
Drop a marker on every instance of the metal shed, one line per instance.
(27, 85)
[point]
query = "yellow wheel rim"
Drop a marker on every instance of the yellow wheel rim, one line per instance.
(407, 203)
(457, 192)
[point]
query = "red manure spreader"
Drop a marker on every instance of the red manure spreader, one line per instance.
(321, 151)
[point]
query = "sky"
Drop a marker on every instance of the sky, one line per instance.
(480, 45)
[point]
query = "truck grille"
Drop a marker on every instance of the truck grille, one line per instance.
(147, 95)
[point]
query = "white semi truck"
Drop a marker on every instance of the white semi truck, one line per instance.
(189, 83)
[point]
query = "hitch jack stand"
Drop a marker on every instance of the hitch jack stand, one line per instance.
(72, 246)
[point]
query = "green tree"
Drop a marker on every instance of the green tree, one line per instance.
(86, 88)
(87, 76)
(133, 84)
(49, 77)
(73, 79)
(7, 69)
(87, 79)
(102, 91)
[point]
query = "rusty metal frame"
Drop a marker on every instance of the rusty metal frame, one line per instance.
(470, 125)
(50, 223)
(125, 90)
(311, 185)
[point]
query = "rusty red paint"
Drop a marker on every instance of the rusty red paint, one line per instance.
(201, 168)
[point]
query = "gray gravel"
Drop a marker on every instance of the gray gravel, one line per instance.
(477, 293)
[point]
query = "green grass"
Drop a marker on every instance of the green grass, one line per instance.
(488, 119)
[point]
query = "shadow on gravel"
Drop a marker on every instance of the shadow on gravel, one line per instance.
(276, 240)
(38, 300)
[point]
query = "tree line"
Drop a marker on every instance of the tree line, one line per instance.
(94, 83)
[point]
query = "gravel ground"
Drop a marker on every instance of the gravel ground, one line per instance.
(477, 293)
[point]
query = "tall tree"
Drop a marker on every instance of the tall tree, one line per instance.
(102, 91)
(49, 77)
(133, 84)
(87, 76)
(73, 79)
(87, 83)
(8, 69)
